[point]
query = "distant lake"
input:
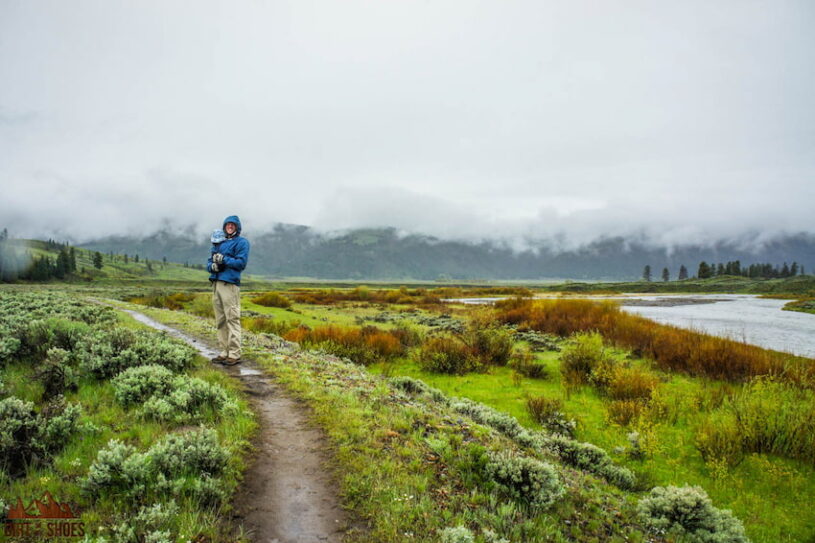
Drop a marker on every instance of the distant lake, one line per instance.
(743, 317)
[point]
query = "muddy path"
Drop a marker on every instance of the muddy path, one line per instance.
(288, 494)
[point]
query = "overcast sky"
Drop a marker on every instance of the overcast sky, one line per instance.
(685, 121)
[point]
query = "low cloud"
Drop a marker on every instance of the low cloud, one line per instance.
(163, 198)
(672, 123)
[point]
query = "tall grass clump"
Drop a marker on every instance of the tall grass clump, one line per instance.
(365, 345)
(480, 344)
(201, 305)
(402, 295)
(548, 412)
(767, 416)
(631, 384)
(272, 299)
(629, 389)
(492, 345)
(446, 354)
(673, 348)
(165, 301)
(525, 362)
(267, 325)
(582, 356)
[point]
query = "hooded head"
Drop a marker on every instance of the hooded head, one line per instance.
(217, 236)
(233, 219)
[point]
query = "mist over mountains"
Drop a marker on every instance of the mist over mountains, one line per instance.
(389, 254)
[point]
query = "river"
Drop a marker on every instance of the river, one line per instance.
(743, 317)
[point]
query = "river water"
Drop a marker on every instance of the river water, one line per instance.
(755, 320)
(759, 321)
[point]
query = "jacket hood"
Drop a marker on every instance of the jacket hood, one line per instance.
(236, 220)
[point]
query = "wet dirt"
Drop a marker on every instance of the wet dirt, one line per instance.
(288, 495)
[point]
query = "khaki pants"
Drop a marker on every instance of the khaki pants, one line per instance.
(226, 300)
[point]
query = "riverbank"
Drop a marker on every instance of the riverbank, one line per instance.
(802, 285)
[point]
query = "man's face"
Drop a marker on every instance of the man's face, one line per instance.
(230, 228)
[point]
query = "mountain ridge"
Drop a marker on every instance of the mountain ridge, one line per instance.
(289, 250)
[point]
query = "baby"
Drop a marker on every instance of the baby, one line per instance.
(218, 236)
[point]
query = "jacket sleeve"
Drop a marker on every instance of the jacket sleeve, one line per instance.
(241, 257)
(209, 261)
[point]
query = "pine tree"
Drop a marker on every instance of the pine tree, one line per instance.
(683, 272)
(794, 269)
(704, 270)
(646, 273)
(126, 258)
(97, 260)
(63, 264)
(136, 259)
(72, 259)
(666, 275)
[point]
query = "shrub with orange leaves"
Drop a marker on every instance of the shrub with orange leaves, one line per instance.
(673, 348)
(363, 345)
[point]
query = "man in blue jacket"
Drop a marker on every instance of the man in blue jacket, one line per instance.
(225, 263)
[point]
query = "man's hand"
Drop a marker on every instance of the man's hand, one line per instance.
(217, 258)
(214, 267)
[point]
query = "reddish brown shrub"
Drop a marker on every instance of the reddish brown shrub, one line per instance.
(673, 348)
(623, 412)
(272, 299)
(364, 345)
(446, 354)
(631, 384)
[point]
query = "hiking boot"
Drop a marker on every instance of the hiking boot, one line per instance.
(218, 359)
(231, 361)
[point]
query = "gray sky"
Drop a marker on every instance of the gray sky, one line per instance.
(685, 121)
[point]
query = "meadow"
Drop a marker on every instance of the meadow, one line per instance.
(546, 420)
(675, 407)
(120, 421)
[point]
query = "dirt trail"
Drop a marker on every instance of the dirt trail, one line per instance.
(287, 496)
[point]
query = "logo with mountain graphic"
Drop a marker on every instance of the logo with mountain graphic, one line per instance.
(45, 518)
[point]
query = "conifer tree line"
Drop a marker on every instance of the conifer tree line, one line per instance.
(734, 267)
(18, 264)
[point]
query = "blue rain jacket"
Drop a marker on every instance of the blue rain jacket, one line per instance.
(236, 255)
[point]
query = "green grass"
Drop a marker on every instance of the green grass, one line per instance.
(115, 271)
(407, 468)
(379, 472)
(770, 494)
(758, 490)
(799, 285)
(806, 305)
(103, 419)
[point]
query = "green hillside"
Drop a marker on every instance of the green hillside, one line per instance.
(114, 267)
